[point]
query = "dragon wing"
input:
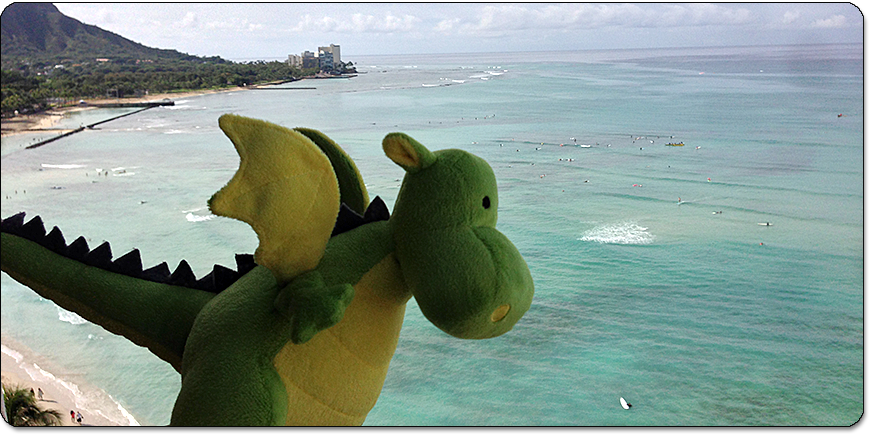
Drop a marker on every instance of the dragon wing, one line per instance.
(285, 189)
(352, 187)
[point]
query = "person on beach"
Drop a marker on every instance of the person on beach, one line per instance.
(72, 416)
(78, 417)
(40, 393)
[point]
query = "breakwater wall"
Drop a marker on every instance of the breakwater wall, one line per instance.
(283, 88)
(132, 104)
(145, 106)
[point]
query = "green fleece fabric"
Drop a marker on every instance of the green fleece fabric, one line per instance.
(468, 279)
(307, 335)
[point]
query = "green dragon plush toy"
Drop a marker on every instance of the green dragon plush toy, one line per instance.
(303, 331)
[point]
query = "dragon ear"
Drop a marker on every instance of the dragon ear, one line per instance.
(407, 153)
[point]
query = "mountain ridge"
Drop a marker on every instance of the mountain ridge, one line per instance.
(38, 33)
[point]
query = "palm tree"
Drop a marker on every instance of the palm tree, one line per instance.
(22, 409)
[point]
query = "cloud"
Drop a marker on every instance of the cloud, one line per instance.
(233, 24)
(834, 22)
(188, 21)
(103, 16)
(501, 19)
(358, 23)
(790, 17)
(447, 25)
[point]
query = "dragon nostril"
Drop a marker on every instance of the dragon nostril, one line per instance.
(486, 202)
(500, 313)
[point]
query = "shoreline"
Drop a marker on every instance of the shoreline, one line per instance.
(59, 394)
(44, 122)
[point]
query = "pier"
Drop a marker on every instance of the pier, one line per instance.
(144, 106)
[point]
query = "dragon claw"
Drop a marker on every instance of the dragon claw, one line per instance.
(311, 306)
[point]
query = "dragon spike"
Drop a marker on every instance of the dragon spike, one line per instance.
(349, 219)
(13, 223)
(100, 256)
(33, 230)
(245, 263)
(223, 277)
(78, 250)
(54, 241)
(217, 280)
(183, 275)
(129, 264)
(206, 283)
(159, 273)
(377, 211)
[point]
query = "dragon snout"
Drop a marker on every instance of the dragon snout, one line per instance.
(472, 284)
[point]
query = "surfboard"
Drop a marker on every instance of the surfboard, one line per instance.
(766, 224)
(624, 403)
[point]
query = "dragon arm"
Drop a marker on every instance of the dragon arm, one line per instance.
(153, 308)
(317, 299)
(296, 189)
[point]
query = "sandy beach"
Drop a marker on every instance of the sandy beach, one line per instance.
(44, 122)
(56, 396)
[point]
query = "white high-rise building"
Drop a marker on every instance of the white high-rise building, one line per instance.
(329, 57)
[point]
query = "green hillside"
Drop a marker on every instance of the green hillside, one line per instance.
(38, 33)
(49, 57)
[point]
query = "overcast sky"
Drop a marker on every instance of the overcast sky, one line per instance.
(270, 31)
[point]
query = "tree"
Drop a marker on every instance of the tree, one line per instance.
(23, 410)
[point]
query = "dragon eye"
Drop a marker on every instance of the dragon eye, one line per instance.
(486, 202)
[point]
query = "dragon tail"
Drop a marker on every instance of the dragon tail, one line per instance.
(153, 308)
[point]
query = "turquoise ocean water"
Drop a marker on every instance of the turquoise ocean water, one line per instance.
(692, 311)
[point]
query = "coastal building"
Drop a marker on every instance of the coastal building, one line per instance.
(329, 58)
(308, 60)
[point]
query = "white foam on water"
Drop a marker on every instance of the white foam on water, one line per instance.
(130, 419)
(72, 318)
(65, 166)
(192, 217)
(88, 402)
(619, 233)
(94, 402)
(11, 353)
(198, 218)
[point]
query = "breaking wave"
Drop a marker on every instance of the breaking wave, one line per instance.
(619, 233)
(65, 166)
(72, 318)
(192, 217)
